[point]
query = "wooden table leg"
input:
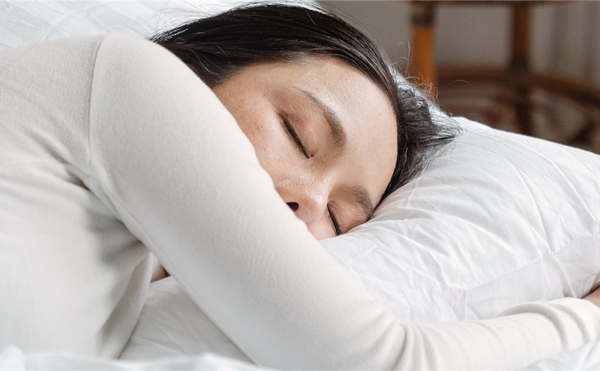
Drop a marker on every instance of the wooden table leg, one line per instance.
(520, 64)
(422, 48)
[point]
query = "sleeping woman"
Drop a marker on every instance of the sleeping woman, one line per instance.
(224, 149)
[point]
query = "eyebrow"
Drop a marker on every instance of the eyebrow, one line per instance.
(333, 121)
(363, 199)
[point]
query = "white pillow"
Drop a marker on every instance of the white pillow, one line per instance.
(171, 325)
(28, 22)
(497, 219)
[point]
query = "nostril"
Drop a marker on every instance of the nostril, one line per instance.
(293, 205)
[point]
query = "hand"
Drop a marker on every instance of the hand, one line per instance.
(594, 297)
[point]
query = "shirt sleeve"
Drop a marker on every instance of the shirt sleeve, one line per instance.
(172, 162)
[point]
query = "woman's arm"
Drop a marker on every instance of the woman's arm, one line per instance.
(171, 161)
(594, 297)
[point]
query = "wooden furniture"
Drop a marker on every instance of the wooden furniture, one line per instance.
(516, 97)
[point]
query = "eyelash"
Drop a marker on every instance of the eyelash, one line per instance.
(334, 222)
(292, 132)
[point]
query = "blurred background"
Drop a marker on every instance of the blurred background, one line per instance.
(526, 66)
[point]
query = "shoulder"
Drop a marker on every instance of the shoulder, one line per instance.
(126, 48)
(138, 68)
(147, 67)
(139, 83)
(121, 53)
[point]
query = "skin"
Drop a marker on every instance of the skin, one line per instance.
(324, 132)
(594, 297)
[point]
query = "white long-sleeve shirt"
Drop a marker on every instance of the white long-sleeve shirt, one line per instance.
(111, 147)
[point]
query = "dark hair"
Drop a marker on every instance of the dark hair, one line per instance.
(218, 47)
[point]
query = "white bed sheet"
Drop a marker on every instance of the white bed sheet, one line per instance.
(181, 329)
(585, 358)
(14, 359)
(217, 352)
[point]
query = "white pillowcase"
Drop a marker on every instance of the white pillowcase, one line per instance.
(171, 325)
(28, 22)
(497, 219)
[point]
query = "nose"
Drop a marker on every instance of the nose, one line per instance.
(307, 201)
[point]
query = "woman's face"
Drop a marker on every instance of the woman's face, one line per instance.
(325, 134)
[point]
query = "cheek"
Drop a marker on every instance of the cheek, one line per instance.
(271, 148)
(260, 123)
(259, 130)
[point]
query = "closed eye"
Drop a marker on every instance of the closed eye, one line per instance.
(334, 222)
(294, 135)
